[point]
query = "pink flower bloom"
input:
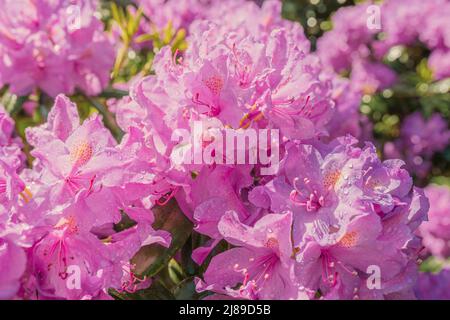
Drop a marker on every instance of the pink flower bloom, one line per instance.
(71, 262)
(439, 63)
(64, 251)
(229, 81)
(347, 207)
(347, 41)
(54, 46)
(436, 231)
(12, 266)
(11, 186)
(72, 158)
(261, 266)
(10, 145)
(369, 78)
(403, 23)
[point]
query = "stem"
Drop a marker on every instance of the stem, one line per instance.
(108, 118)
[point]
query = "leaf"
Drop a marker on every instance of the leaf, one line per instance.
(117, 14)
(133, 22)
(168, 33)
(186, 290)
(146, 37)
(432, 265)
(175, 271)
(157, 291)
(153, 258)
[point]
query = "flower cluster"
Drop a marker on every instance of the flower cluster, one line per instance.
(179, 13)
(348, 48)
(354, 46)
(436, 231)
(308, 212)
(62, 213)
(423, 21)
(56, 46)
(327, 219)
(229, 79)
(297, 232)
(359, 50)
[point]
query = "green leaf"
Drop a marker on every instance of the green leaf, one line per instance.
(157, 291)
(186, 290)
(153, 258)
(432, 265)
(176, 273)
(133, 22)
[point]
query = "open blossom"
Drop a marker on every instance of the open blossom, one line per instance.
(71, 158)
(179, 13)
(10, 145)
(347, 119)
(230, 81)
(331, 220)
(12, 264)
(56, 46)
(350, 212)
(262, 263)
(436, 231)
(439, 63)
(70, 202)
(404, 23)
(347, 41)
(369, 78)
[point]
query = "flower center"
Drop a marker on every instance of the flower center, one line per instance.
(348, 240)
(81, 153)
(214, 84)
(68, 224)
(331, 178)
(272, 243)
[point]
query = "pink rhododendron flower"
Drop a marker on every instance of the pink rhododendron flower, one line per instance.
(10, 145)
(403, 24)
(347, 41)
(261, 265)
(435, 232)
(12, 264)
(56, 46)
(369, 78)
(439, 63)
(346, 207)
(236, 81)
(135, 189)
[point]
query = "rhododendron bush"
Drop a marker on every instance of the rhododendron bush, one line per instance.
(224, 149)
